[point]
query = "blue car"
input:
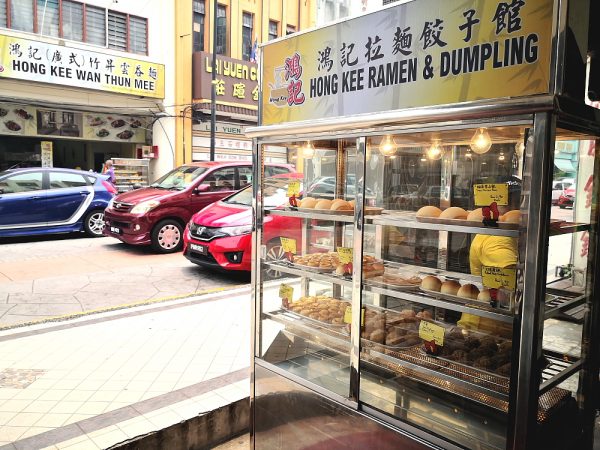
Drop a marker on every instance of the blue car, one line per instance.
(39, 200)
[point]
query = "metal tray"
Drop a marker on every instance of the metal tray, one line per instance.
(369, 211)
(312, 269)
(467, 223)
(453, 298)
(298, 316)
(378, 280)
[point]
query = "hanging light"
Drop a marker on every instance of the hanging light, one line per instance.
(308, 151)
(423, 159)
(501, 156)
(481, 141)
(435, 151)
(469, 154)
(387, 146)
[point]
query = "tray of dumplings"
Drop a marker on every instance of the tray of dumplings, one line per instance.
(397, 280)
(386, 329)
(320, 309)
(330, 263)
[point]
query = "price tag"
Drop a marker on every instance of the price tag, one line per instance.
(289, 245)
(345, 255)
(293, 189)
(348, 315)
(286, 292)
(486, 194)
(431, 332)
(497, 278)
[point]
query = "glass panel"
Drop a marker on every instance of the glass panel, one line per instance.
(3, 15)
(117, 30)
(72, 20)
(246, 175)
(95, 25)
(221, 30)
(246, 36)
(198, 6)
(31, 181)
(21, 15)
(437, 338)
(138, 29)
(60, 180)
(47, 17)
(306, 289)
(273, 30)
(198, 32)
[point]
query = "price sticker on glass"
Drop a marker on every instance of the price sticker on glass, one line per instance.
(348, 315)
(345, 255)
(486, 194)
(497, 278)
(293, 189)
(289, 245)
(286, 292)
(431, 332)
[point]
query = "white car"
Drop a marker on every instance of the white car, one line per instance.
(558, 188)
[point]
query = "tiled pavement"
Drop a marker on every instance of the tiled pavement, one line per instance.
(96, 381)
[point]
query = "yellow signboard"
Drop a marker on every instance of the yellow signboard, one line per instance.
(289, 245)
(497, 277)
(69, 66)
(348, 315)
(345, 255)
(286, 292)
(418, 53)
(431, 332)
(293, 189)
(486, 194)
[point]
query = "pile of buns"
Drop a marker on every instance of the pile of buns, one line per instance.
(393, 328)
(456, 213)
(321, 308)
(328, 260)
(337, 204)
(452, 287)
(484, 352)
(372, 267)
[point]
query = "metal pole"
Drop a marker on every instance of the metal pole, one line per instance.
(213, 91)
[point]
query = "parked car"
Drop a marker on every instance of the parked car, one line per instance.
(220, 236)
(567, 198)
(558, 188)
(156, 215)
(52, 200)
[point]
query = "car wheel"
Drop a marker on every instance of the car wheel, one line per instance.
(93, 224)
(274, 253)
(167, 236)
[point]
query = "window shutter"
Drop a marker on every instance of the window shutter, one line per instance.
(138, 27)
(117, 30)
(21, 15)
(3, 16)
(72, 20)
(95, 25)
(47, 17)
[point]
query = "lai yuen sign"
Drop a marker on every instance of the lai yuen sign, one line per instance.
(236, 80)
(419, 53)
(56, 64)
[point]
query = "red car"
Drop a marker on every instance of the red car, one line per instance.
(567, 198)
(220, 236)
(157, 215)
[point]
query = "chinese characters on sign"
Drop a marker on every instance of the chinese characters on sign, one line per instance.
(48, 63)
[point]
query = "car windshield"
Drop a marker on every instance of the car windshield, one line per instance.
(275, 193)
(179, 178)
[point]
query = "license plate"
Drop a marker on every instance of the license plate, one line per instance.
(198, 248)
(115, 230)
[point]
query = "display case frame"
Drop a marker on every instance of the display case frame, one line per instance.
(546, 113)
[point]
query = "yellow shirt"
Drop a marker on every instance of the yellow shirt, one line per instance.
(493, 251)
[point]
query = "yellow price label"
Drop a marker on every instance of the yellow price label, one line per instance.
(289, 245)
(293, 189)
(345, 255)
(348, 315)
(486, 194)
(431, 332)
(497, 277)
(286, 292)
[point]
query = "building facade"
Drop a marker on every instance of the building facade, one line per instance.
(240, 29)
(84, 81)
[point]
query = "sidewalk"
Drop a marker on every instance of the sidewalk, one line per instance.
(99, 380)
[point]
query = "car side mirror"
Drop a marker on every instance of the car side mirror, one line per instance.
(202, 188)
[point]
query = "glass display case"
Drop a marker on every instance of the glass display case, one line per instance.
(414, 287)
(131, 173)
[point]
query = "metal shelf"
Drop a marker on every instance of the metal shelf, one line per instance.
(326, 277)
(407, 219)
(561, 304)
(569, 227)
(311, 215)
(559, 369)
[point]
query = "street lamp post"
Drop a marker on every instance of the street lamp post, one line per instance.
(213, 91)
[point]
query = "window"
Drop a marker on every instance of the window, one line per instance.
(221, 180)
(21, 15)
(23, 182)
(117, 30)
(3, 16)
(274, 170)
(290, 29)
(247, 20)
(273, 26)
(221, 30)
(72, 20)
(48, 17)
(198, 25)
(95, 25)
(245, 176)
(63, 180)
(138, 35)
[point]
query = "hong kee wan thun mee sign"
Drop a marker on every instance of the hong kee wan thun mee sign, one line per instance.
(420, 53)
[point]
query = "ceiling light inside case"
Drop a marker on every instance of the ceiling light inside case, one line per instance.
(387, 146)
(435, 151)
(481, 141)
(308, 151)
